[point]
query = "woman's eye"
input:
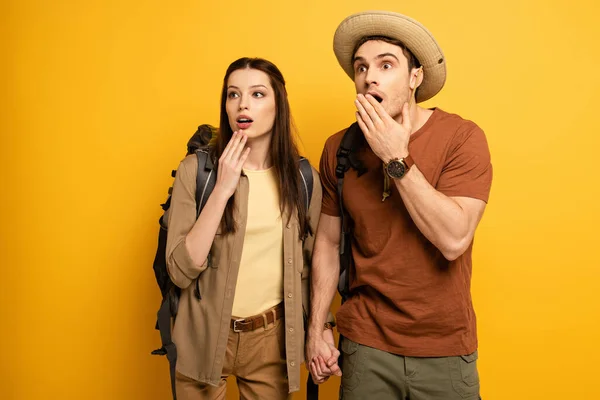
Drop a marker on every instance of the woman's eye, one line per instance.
(258, 94)
(232, 95)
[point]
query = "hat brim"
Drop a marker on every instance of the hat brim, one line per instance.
(395, 26)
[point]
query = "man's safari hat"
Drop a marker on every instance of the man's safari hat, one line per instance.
(395, 26)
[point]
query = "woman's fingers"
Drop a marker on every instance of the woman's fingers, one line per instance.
(243, 158)
(227, 149)
(235, 156)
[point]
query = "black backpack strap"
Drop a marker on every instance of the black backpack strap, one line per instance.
(164, 326)
(205, 179)
(312, 389)
(346, 158)
(307, 181)
(306, 184)
(205, 182)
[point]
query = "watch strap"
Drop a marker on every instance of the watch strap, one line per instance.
(408, 160)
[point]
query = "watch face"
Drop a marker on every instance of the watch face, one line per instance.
(396, 169)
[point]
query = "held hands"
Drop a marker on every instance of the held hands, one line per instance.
(230, 164)
(387, 138)
(322, 357)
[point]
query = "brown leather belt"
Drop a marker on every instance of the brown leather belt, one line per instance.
(257, 321)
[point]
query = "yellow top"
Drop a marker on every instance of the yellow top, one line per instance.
(260, 278)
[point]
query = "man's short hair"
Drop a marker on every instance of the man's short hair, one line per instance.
(412, 60)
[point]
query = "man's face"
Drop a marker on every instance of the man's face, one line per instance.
(381, 70)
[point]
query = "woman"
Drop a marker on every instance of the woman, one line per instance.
(248, 251)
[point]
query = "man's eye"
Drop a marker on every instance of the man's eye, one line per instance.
(387, 66)
(361, 68)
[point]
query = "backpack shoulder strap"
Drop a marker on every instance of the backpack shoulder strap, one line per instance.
(205, 179)
(346, 158)
(307, 181)
(351, 141)
(312, 390)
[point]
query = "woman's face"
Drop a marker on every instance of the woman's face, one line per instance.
(250, 102)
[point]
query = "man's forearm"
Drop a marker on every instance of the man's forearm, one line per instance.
(439, 218)
(324, 279)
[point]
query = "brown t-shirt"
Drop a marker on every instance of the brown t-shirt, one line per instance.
(406, 297)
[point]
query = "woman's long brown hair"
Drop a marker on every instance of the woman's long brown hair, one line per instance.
(283, 149)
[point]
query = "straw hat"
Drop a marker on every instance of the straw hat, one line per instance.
(396, 26)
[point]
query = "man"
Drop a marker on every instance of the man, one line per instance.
(408, 323)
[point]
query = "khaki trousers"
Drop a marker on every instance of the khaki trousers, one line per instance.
(256, 359)
(369, 373)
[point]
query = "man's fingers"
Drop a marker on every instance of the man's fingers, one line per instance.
(361, 124)
(332, 363)
(313, 370)
(323, 366)
(318, 371)
(316, 377)
(332, 360)
(364, 114)
(335, 369)
(334, 351)
(369, 108)
(377, 107)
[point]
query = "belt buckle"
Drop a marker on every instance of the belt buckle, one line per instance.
(235, 322)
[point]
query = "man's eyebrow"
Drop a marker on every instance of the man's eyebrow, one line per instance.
(357, 59)
(377, 58)
(387, 55)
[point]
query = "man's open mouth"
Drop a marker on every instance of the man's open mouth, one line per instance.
(376, 97)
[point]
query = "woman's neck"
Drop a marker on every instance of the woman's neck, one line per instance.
(260, 153)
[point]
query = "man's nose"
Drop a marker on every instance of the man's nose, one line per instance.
(371, 78)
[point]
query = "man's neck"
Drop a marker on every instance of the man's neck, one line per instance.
(419, 116)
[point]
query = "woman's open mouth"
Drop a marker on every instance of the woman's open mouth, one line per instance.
(244, 122)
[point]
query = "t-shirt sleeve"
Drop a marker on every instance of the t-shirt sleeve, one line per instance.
(468, 168)
(330, 205)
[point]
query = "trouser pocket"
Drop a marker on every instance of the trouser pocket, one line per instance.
(465, 377)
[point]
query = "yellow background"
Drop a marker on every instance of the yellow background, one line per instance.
(100, 97)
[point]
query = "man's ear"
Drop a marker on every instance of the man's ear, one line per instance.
(416, 78)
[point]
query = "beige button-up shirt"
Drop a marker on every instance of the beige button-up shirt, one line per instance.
(201, 328)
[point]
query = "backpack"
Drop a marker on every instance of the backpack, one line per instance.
(352, 140)
(205, 183)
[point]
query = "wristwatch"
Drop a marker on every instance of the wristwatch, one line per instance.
(398, 167)
(328, 325)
